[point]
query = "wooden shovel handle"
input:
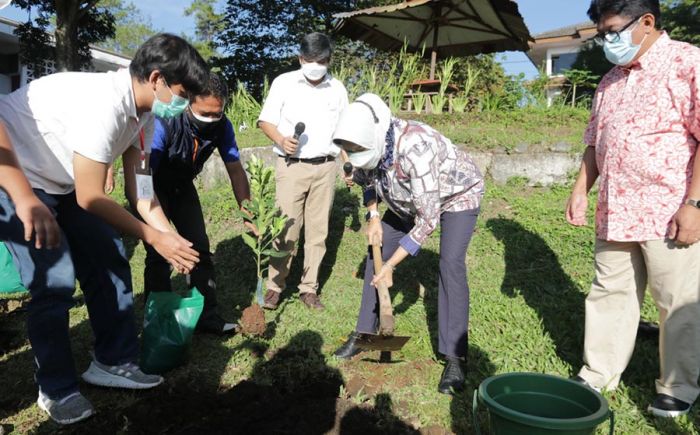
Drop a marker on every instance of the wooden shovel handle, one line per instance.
(386, 313)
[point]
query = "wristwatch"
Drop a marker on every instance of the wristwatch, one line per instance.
(371, 214)
(694, 202)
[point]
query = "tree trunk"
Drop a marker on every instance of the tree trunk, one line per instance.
(67, 16)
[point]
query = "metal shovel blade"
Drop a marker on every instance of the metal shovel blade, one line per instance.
(381, 342)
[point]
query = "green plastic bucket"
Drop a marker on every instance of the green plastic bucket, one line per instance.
(533, 403)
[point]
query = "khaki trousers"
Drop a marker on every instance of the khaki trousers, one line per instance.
(305, 195)
(623, 271)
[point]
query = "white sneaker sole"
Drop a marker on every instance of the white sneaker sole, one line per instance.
(96, 376)
(82, 417)
(666, 414)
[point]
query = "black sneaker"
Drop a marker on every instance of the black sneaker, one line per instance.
(214, 324)
(452, 378)
(667, 406)
(348, 349)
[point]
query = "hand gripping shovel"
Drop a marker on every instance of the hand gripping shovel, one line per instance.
(385, 340)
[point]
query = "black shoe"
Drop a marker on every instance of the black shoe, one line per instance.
(667, 406)
(348, 349)
(452, 377)
(214, 324)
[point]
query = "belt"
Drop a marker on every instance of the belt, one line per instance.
(312, 161)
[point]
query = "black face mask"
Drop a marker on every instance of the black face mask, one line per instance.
(201, 128)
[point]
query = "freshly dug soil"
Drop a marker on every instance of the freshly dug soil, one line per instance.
(253, 320)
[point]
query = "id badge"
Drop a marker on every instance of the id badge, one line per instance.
(144, 184)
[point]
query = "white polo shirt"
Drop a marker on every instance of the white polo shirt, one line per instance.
(292, 99)
(92, 114)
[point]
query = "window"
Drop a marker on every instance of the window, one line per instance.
(562, 62)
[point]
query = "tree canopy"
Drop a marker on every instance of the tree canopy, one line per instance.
(681, 18)
(76, 25)
(132, 28)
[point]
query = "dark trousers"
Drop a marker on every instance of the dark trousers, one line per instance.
(92, 251)
(181, 205)
(453, 290)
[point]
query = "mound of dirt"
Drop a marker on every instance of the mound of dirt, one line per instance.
(253, 321)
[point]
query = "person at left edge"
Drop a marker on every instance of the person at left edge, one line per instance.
(180, 147)
(58, 135)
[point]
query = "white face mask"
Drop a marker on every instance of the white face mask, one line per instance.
(314, 71)
(204, 119)
(368, 159)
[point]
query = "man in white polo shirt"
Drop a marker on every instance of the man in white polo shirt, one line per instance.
(306, 168)
(58, 136)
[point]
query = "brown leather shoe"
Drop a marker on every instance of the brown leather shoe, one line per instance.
(272, 299)
(312, 300)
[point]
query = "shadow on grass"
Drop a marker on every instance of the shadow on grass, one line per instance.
(533, 271)
(378, 419)
(294, 392)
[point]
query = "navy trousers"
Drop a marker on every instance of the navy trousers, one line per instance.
(92, 251)
(180, 203)
(453, 289)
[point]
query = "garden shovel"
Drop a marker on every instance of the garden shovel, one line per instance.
(385, 340)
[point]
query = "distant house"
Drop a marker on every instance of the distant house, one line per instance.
(557, 50)
(14, 75)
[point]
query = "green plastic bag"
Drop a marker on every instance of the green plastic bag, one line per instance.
(167, 329)
(10, 281)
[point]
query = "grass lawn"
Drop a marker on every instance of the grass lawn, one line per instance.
(490, 131)
(529, 274)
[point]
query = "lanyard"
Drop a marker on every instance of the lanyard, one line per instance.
(142, 145)
(196, 146)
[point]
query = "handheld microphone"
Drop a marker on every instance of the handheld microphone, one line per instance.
(347, 168)
(298, 131)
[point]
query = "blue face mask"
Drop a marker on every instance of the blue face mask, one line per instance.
(622, 51)
(174, 108)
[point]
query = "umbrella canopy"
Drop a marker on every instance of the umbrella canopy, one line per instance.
(443, 27)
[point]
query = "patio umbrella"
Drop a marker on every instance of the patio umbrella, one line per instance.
(445, 27)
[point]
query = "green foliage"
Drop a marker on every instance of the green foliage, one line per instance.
(681, 18)
(78, 24)
(263, 213)
(439, 101)
(243, 109)
(132, 28)
(591, 58)
(419, 100)
(208, 24)
(580, 78)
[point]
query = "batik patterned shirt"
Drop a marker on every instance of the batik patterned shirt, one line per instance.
(421, 176)
(645, 127)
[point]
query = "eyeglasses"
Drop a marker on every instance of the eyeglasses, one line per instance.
(613, 36)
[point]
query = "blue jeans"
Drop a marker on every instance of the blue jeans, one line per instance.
(92, 251)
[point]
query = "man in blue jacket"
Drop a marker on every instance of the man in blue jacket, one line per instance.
(180, 148)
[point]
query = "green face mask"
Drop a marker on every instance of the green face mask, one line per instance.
(174, 108)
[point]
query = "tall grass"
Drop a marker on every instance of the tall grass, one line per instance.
(243, 109)
(439, 101)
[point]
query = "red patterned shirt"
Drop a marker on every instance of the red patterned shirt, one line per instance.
(645, 127)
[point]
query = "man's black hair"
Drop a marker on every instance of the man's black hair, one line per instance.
(216, 87)
(175, 58)
(315, 47)
(627, 8)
